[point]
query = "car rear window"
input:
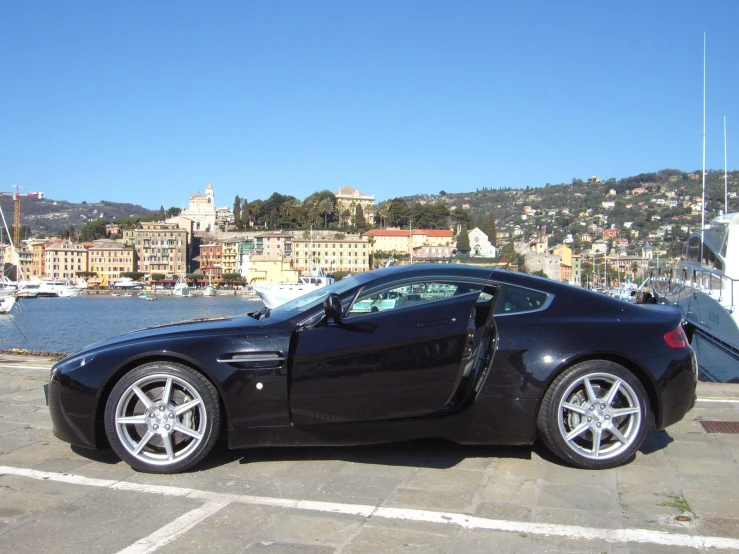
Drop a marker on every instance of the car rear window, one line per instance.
(516, 300)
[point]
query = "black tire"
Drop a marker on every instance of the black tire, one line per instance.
(570, 417)
(177, 433)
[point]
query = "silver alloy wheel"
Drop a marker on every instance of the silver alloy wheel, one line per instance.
(160, 419)
(599, 416)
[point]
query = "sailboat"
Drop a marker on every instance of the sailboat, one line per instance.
(209, 290)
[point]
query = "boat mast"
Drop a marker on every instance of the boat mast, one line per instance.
(410, 237)
(726, 175)
(703, 202)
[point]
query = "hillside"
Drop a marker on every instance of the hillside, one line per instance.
(662, 206)
(50, 216)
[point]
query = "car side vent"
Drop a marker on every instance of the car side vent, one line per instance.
(254, 360)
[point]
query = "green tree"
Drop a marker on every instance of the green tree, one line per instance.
(173, 212)
(237, 212)
(359, 221)
(488, 227)
(162, 214)
(399, 214)
(463, 241)
(245, 214)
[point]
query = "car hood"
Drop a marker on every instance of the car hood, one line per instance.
(182, 329)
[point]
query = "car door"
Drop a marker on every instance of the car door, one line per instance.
(398, 352)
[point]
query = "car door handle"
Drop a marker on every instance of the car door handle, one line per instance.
(434, 322)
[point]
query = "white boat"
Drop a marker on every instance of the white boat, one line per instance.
(209, 290)
(276, 294)
(28, 289)
(126, 283)
(7, 301)
(706, 288)
(181, 288)
(57, 288)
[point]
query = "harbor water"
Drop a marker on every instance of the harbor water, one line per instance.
(68, 324)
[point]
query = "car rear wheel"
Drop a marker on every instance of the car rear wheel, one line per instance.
(595, 415)
(162, 417)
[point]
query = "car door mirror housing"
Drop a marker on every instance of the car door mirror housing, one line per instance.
(332, 307)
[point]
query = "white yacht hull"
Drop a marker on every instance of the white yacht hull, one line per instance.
(6, 304)
(277, 294)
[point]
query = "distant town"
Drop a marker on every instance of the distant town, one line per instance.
(587, 232)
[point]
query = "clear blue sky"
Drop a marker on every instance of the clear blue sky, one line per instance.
(147, 102)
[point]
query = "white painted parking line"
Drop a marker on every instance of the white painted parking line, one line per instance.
(215, 501)
(17, 366)
(725, 400)
(171, 531)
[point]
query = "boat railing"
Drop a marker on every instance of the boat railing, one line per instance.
(721, 287)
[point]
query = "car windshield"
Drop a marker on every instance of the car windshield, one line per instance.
(313, 299)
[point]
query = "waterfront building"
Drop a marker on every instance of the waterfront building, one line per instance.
(347, 201)
(271, 268)
(110, 259)
(273, 244)
(202, 210)
(245, 249)
(63, 259)
(234, 251)
(339, 252)
(211, 261)
(161, 248)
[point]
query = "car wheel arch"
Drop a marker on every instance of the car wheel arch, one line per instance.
(639, 372)
(101, 438)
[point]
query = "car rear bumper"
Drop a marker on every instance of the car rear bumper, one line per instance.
(677, 389)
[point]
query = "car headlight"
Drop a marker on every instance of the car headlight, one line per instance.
(70, 364)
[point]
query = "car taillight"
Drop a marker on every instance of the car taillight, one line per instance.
(676, 338)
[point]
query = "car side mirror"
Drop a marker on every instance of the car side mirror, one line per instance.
(332, 307)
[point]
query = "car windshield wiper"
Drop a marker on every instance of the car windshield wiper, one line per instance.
(264, 312)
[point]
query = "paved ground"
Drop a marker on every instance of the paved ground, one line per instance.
(425, 496)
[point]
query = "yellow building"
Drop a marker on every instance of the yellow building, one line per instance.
(64, 259)
(161, 248)
(109, 259)
(351, 253)
(230, 256)
(402, 241)
(38, 259)
(564, 252)
(271, 268)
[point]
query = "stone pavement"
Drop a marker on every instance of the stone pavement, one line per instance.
(680, 494)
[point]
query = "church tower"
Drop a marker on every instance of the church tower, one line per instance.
(209, 195)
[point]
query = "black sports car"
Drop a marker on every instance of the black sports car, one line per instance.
(458, 352)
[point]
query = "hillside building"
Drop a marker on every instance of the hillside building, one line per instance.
(202, 210)
(347, 201)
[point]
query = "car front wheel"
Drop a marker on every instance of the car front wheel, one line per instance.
(595, 415)
(162, 417)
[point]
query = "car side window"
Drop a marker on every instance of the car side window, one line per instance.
(409, 294)
(512, 300)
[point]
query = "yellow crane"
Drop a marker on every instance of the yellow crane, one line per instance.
(17, 210)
